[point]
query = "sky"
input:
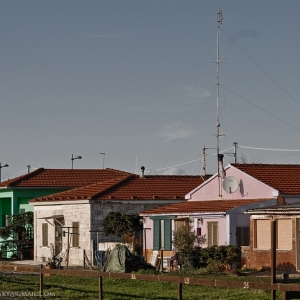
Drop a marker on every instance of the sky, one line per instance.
(136, 80)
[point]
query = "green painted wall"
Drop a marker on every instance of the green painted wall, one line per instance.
(23, 204)
(13, 200)
(5, 210)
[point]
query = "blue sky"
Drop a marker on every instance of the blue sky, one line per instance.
(136, 80)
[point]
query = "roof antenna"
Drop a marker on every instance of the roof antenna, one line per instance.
(143, 172)
(220, 18)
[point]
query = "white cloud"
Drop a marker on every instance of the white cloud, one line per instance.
(176, 131)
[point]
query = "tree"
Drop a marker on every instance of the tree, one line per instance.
(18, 233)
(127, 226)
(119, 224)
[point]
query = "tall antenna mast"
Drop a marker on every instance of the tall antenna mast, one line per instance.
(220, 18)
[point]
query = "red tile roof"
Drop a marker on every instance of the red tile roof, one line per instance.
(193, 207)
(284, 178)
(62, 178)
(132, 187)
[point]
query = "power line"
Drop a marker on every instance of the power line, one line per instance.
(261, 108)
(262, 68)
(270, 149)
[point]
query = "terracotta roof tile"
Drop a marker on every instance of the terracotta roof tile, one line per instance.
(192, 207)
(284, 178)
(85, 192)
(132, 187)
(64, 178)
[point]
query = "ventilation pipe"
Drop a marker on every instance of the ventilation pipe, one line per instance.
(143, 172)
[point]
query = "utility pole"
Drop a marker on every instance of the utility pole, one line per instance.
(204, 161)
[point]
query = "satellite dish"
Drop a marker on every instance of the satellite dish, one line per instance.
(230, 184)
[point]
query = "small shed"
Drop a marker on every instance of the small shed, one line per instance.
(287, 219)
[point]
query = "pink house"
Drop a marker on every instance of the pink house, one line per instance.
(217, 207)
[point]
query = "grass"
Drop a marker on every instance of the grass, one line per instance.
(72, 287)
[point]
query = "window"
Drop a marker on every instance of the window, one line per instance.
(284, 234)
(212, 234)
(178, 223)
(162, 234)
(75, 235)
(262, 238)
(45, 234)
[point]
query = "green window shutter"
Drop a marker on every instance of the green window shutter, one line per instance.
(156, 235)
(168, 235)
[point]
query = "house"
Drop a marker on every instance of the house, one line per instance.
(287, 218)
(15, 193)
(80, 211)
(215, 209)
(220, 222)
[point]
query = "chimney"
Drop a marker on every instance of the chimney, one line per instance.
(143, 172)
(280, 200)
(221, 168)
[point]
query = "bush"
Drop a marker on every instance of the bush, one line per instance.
(219, 258)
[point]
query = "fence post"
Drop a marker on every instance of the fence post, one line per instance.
(41, 283)
(100, 288)
(161, 260)
(273, 256)
(179, 291)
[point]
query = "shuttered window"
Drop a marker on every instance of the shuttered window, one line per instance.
(212, 234)
(162, 234)
(284, 234)
(75, 235)
(156, 235)
(262, 234)
(44, 234)
(167, 235)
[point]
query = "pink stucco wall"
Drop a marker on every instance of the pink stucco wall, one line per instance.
(249, 188)
(148, 223)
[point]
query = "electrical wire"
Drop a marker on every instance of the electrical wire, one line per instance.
(270, 149)
(264, 110)
(284, 90)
